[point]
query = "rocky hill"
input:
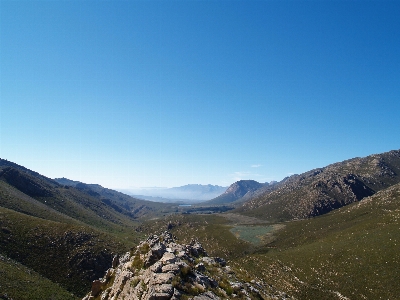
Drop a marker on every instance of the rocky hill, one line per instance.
(240, 190)
(160, 268)
(322, 190)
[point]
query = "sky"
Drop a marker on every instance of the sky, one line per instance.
(131, 94)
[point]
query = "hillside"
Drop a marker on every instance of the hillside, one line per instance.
(348, 253)
(66, 236)
(322, 190)
(121, 202)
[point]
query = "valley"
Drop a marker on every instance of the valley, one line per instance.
(330, 233)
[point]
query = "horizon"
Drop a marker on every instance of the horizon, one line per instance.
(157, 93)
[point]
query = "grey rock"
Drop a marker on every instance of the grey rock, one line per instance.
(156, 267)
(168, 272)
(171, 268)
(168, 258)
(161, 278)
(207, 296)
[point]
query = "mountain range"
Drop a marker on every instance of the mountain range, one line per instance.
(65, 232)
(58, 235)
(188, 193)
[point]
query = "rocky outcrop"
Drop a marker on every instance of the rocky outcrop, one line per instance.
(161, 269)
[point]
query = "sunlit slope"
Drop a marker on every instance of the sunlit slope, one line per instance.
(34, 196)
(322, 190)
(350, 252)
(353, 251)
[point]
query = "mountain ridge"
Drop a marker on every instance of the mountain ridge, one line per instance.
(324, 189)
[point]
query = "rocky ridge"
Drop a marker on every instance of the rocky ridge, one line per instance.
(161, 269)
(322, 190)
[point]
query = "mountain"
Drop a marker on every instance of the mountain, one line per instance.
(240, 190)
(192, 192)
(348, 253)
(322, 190)
(137, 208)
(65, 236)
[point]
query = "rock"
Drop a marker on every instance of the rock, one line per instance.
(165, 276)
(221, 261)
(168, 258)
(161, 278)
(200, 267)
(171, 268)
(208, 260)
(161, 292)
(156, 267)
(207, 296)
(115, 261)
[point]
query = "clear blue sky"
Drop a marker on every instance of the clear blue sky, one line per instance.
(167, 93)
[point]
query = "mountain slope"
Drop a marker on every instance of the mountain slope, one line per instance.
(348, 253)
(321, 190)
(236, 191)
(135, 208)
(20, 282)
(67, 254)
(65, 234)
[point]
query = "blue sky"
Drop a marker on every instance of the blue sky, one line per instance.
(166, 93)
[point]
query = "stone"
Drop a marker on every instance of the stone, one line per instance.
(220, 261)
(166, 276)
(157, 267)
(115, 261)
(200, 267)
(171, 268)
(168, 258)
(207, 296)
(161, 278)
(208, 260)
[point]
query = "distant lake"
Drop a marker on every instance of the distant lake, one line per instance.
(185, 205)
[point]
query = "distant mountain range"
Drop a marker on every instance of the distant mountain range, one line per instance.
(189, 192)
